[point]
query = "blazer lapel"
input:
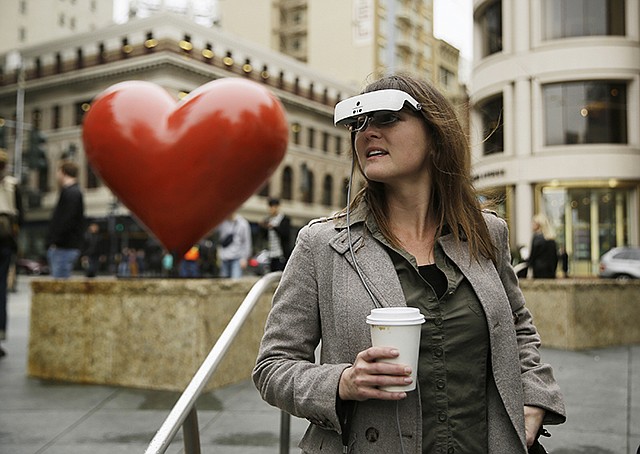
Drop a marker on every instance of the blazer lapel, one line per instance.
(374, 263)
(481, 274)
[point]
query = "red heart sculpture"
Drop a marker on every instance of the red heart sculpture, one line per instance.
(181, 168)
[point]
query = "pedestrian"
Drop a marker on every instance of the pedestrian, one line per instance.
(277, 227)
(564, 261)
(66, 228)
(189, 266)
(415, 235)
(10, 220)
(235, 246)
(123, 263)
(167, 264)
(543, 256)
(92, 249)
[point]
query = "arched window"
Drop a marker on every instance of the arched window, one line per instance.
(345, 189)
(306, 184)
(327, 191)
(490, 20)
(287, 176)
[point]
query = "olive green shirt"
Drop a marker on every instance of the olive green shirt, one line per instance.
(454, 353)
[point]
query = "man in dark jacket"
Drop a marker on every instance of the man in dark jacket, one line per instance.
(277, 227)
(66, 228)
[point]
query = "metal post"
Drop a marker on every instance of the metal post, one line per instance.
(191, 433)
(285, 432)
(17, 157)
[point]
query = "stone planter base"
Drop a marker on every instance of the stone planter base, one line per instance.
(155, 333)
(578, 314)
(143, 333)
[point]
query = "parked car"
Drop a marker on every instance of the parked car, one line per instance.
(31, 267)
(621, 263)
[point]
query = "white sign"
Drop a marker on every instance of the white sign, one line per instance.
(363, 11)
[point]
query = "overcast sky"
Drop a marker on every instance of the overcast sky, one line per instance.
(453, 22)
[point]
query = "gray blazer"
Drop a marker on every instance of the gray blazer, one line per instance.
(321, 298)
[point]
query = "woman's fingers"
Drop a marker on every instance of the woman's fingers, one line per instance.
(362, 380)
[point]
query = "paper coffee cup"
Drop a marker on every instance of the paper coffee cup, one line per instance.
(398, 327)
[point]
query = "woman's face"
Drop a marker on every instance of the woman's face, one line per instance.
(396, 152)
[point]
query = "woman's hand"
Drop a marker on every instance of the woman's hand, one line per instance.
(533, 417)
(361, 381)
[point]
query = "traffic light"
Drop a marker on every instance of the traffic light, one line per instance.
(37, 157)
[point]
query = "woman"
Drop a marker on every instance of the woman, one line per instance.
(543, 258)
(482, 388)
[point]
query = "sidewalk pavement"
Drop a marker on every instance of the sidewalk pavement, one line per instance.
(601, 388)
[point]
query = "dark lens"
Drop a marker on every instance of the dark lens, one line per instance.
(385, 118)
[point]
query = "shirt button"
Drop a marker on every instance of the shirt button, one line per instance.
(442, 417)
(450, 450)
(438, 321)
(438, 352)
(371, 434)
(440, 384)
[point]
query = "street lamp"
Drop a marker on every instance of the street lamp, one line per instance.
(14, 61)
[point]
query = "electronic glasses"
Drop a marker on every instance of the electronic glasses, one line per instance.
(377, 107)
(379, 118)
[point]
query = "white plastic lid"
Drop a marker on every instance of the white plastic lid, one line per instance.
(393, 316)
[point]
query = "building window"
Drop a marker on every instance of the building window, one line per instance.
(58, 62)
(81, 109)
(338, 144)
(492, 125)
(490, 22)
(307, 184)
(569, 18)
(295, 129)
(36, 119)
(325, 141)
(327, 191)
(287, 178)
(345, 191)
(56, 117)
(578, 212)
(312, 138)
(79, 58)
(92, 179)
(585, 112)
(447, 78)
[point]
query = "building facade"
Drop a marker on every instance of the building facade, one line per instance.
(556, 120)
(29, 22)
(62, 77)
(352, 40)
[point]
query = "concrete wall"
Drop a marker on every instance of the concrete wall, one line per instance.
(151, 334)
(577, 314)
(154, 334)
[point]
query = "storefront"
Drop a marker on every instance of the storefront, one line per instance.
(589, 217)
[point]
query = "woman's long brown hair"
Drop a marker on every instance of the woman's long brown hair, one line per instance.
(454, 201)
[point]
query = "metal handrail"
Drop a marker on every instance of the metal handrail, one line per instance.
(184, 412)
